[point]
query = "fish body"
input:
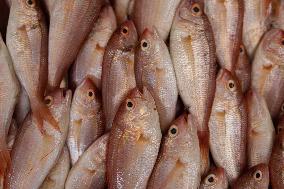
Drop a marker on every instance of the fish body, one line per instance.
(277, 14)
(90, 170)
(86, 119)
(118, 69)
(268, 70)
(134, 142)
(89, 60)
(178, 163)
(216, 179)
(228, 126)
(154, 69)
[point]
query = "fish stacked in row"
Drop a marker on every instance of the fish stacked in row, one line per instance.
(142, 94)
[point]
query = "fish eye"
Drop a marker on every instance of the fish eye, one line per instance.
(257, 175)
(210, 179)
(241, 49)
(129, 104)
(173, 131)
(282, 107)
(124, 30)
(145, 44)
(91, 94)
(196, 9)
(30, 3)
(48, 100)
(231, 85)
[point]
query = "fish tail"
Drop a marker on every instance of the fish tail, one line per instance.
(41, 113)
(203, 137)
(5, 162)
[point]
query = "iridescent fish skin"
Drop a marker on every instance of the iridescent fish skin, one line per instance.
(194, 58)
(23, 106)
(228, 126)
(86, 119)
(118, 76)
(256, 23)
(260, 131)
(158, 13)
(277, 14)
(58, 174)
(226, 18)
(178, 163)
(134, 142)
(243, 69)
(90, 170)
(256, 177)
(90, 58)
(27, 43)
(35, 154)
(216, 179)
(154, 70)
(70, 23)
(268, 70)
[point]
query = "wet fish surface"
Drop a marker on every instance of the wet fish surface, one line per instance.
(216, 179)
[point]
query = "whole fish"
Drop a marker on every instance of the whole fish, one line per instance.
(90, 57)
(243, 69)
(35, 154)
(260, 131)
(27, 43)
(256, 177)
(226, 18)
(216, 179)
(118, 69)
(70, 23)
(256, 23)
(276, 164)
(277, 14)
(23, 106)
(154, 69)
(268, 70)
(194, 58)
(228, 126)
(178, 163)
(86, 119)
(134, 142)
(90, 170)
(9, 90)
(123, 9)
(58, 174)
(158, 13)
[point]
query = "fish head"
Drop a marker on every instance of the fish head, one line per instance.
(137, 106)
(87, 95)
(215, 179)
(125, 37)
(227, 86)
(27, 7)
(257, 176)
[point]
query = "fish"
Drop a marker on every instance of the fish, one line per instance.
(159, 13)
(134, 141)
(226, 18)
(256, 177)
(90, 57)
(90, 169)
(280, 124)
(154, 69)
(216, 179)
(243, 69)
(23, 106)
(267, 76)
(123, 9)
(35, 154)
(9, 91)
(70, 24)
(49, 5)
(58, 174)
(118, 76)
(228, 126)
(276, 163)
(193, 54)
(12, 134)
(260, 131)
(86, 119)
(178, 163)
(256, 23)
(27, 44)
(277, 14)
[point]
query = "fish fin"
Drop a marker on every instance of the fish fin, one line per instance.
(5, 162)
(204, 151)
(42, 113)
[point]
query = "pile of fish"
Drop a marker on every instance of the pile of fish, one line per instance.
(142, 94)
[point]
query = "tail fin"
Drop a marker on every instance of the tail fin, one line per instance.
(41, 113)
(204, 151)
(5, 162)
